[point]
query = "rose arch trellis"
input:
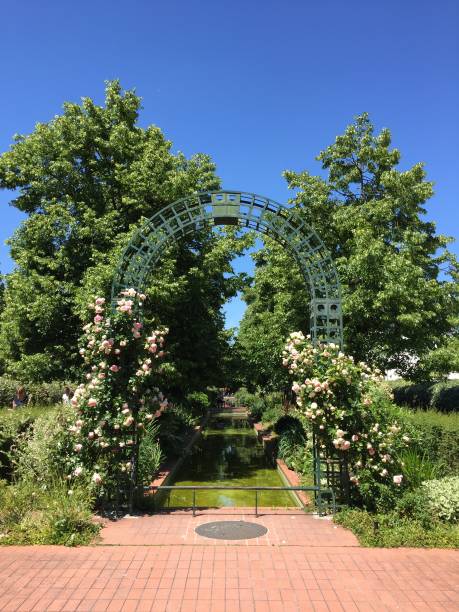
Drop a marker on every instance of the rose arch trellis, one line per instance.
(254, 212)
(246, 210)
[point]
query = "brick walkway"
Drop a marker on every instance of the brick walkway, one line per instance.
(295, 568)
(285, 528)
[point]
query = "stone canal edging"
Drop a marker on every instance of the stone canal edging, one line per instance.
(289, 477)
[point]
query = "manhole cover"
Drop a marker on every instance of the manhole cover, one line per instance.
(231, 530)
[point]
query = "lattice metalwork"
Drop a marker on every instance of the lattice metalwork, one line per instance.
(246, 210)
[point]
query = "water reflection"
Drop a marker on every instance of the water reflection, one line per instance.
(229, 454)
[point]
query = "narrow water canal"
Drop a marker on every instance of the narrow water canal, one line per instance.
(228, 454)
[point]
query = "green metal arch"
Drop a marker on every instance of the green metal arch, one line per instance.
(245, 210)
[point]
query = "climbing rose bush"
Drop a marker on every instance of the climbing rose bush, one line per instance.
(120, 395)
(349, 410)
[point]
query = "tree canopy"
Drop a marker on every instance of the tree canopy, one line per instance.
(85, 179)
(399, 280)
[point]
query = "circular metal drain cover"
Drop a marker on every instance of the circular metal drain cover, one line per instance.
(231, 530)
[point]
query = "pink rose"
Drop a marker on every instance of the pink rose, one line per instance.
(100, 301)
(398, 479)
(96, 478)
(355, 438)
(98, 318)
(92, 402)
(114, 368)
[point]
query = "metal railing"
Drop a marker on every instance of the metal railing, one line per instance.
(318, 492)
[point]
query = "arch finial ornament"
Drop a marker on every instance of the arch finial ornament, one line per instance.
(246, 210)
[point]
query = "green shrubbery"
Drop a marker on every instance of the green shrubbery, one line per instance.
(265, 408)
(427, 513)
(37, 505)
(40, 394)
(31, 514)
(443, 498)
(150, 454)
(14, 425)
(392, 529)
(443, 396)
(435, 436)
(175, 425)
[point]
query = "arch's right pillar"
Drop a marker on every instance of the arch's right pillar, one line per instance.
(326, 321)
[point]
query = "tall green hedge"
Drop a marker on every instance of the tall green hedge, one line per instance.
(443, 396)
(435, 435)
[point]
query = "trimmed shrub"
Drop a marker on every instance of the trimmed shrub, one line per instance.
(198, 402)
(445, 396)
(442, 396)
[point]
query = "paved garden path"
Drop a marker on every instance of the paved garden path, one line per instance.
(301, 564)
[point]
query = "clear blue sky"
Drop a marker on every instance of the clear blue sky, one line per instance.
(261, 86)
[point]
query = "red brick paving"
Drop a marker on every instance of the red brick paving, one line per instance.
(196, 576)
(285, 528)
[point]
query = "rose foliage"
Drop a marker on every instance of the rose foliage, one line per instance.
(349, 410)
(119, 398)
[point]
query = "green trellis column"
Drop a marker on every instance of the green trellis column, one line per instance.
(244, 210)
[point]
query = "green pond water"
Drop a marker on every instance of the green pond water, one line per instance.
(228, 453)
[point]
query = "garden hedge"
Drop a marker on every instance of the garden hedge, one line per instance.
(41, 394)
(437, 436)
(442, 396)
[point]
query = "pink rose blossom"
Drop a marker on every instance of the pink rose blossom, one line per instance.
(114, 368)
(398, 479)
(96, 478)
(92, 402)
